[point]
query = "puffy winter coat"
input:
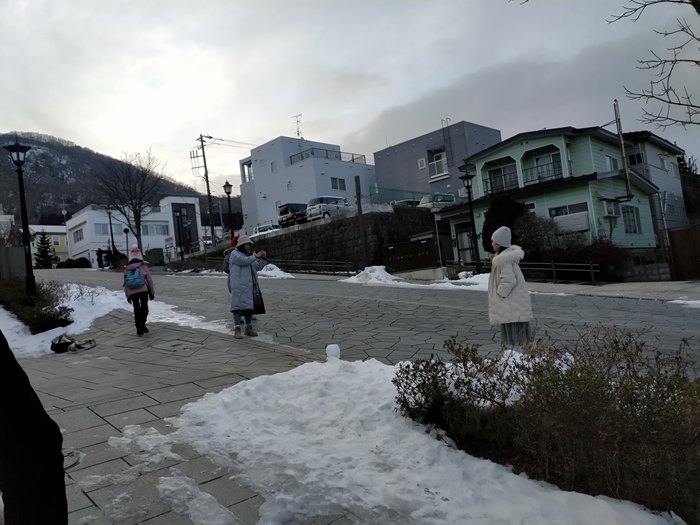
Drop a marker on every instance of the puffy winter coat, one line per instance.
(509, 298)
(242, 276)
(146, 272)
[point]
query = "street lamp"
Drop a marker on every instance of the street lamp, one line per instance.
(18, 154)
(179, 235)
(467, 181)
(126, 232)
(64, 213)
(227, 190)
(111, 233)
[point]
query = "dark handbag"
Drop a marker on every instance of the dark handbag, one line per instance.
(258, 304)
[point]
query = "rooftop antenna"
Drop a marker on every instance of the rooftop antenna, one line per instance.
(297, 118)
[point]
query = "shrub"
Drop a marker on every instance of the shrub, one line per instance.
(81, 262)
(607, 416)
(40, 313)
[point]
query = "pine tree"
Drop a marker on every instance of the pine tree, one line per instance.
(43, 256)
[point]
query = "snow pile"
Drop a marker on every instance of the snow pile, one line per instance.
(270, 271)
(325, 439)
(479, 282)
(373, 275)
(684, 302)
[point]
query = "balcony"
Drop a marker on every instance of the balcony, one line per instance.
(330, 154)
(544, 173)
(493, 185)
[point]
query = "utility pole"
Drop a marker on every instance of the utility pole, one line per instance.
(361, 222)
(206, 179)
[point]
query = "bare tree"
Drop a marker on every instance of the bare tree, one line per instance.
(668, 101)
(130, 187)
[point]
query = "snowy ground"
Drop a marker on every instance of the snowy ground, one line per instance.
(325, 437)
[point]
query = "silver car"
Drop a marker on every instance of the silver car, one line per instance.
(328, 206)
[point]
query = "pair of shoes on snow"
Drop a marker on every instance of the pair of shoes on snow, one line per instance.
(140, 330)
(84, 344)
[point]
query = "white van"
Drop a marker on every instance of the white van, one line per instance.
(328, 206)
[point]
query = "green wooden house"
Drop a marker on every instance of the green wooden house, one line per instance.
(575, 176)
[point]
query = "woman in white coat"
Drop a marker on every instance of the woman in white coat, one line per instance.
(509, 298)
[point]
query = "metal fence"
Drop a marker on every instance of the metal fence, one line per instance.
(550, 271)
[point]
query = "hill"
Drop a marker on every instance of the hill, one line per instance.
(59, 175)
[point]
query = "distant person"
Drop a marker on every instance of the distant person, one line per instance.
(227, 254)
(138, 287)
(243, 284)
(31, 463)
(509, 298)
(100, 261)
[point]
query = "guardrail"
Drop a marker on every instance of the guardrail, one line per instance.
(554, 271)
(324, 267)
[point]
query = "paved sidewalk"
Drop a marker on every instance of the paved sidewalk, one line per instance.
(131, 380)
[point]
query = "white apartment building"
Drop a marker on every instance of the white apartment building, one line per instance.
(173, 225)
(290, 169)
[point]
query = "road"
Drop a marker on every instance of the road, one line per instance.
(394, 324)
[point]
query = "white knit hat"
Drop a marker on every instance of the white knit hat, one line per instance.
(502, 236)
(135, 253)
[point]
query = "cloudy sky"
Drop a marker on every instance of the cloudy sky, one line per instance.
(123, 76)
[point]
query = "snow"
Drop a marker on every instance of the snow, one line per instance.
(324, 438)
(685, 302)
(377, 275)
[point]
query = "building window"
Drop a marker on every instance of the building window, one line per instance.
(421, 164)
(630, 217)
(549, 166)
(503, 178)
(568, 209)
(78, 235)
(530, 207)
(155, 230)
(101, 229)
(612, 208)
(437, 163)
(664, 164)
(635, 158)
(611, 163)
(56, 240)
(337, 183)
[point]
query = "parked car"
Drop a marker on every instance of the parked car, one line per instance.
(405, 203)
(437, 200)
(265, 227)
(328, 206)
(291, 213)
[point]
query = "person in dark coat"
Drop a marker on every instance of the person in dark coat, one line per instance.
(31, 463)
(138, 297)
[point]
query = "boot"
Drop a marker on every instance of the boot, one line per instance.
(237, 332)
(249, 331)
(144, 329)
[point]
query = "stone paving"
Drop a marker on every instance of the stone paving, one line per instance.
(130, 380)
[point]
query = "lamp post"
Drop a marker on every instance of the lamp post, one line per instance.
(227, 191)
(65, 226)
(111, 232)
(126, 232)
(179, 236)
(19, 154)
(467, 181)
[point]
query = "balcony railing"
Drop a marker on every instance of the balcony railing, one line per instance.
(543, 173)
(329, 154)
(501, 183)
